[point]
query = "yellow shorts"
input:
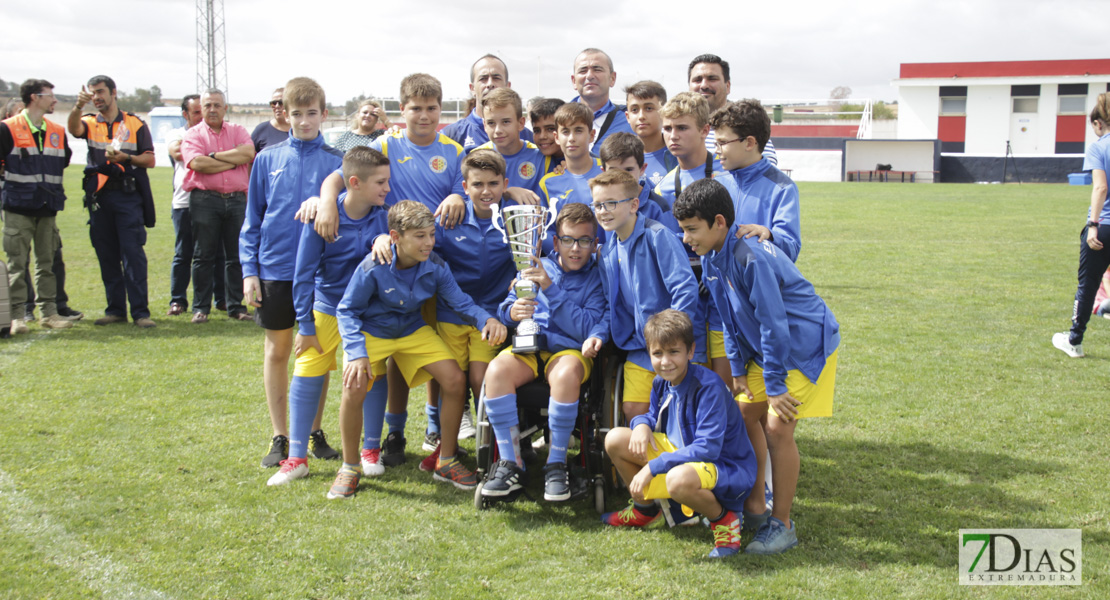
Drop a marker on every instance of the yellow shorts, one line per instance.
(313, 364)
(637, 383)
(657, 489)
(411, 353)
(716, 342)
(816, 398)
(466, 344)
(548, 358)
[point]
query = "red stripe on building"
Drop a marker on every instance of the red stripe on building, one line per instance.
(1071, 128)
(1019, 68)
(824, 131)
(951, 129)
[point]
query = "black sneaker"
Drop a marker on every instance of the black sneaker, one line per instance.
(556, 482)
(318, 446)
(507, 478)
(393, 449)
(70, 314)
(279, 451)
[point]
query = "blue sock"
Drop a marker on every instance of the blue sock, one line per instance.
(396, 421)
(373, 412)
(432, 412)
(560, 419)
(501, 411)
(304, 399)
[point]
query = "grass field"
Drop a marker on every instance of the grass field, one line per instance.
(129, 458)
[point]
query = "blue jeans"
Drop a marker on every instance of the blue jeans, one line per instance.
(182, 268)
(118, 235)
(217, 219)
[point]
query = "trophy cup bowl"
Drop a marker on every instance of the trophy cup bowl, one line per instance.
(525, 227)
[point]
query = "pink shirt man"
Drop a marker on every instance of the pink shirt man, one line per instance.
(202, 140)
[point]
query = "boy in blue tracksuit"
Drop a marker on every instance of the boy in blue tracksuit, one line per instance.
(282, 177)
(644, 270)
(319, 281)
(482, 265)
(768, 207)
(379, 317)
(689, 446)
(645, 100)
(780, 336)
(569, 303)
(625, 151)
(574, 129)
(504, 120)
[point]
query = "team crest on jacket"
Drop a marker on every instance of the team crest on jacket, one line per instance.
(527, 170)
(54, 139)
(123, 133)
(438, 164)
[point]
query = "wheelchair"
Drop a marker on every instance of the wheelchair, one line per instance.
(599, 410)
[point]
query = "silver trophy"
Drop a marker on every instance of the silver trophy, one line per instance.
(525, 226)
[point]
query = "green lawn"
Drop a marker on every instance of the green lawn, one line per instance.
(129, 458)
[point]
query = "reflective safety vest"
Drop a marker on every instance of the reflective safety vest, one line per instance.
(33, 177)
(100, 137)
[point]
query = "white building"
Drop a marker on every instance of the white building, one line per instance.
(1039, 107)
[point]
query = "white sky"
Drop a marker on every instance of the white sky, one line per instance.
(786, 49)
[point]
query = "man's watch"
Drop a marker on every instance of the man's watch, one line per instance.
(212, 155)
(1092, 224)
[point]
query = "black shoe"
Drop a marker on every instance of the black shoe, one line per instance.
(507, 478)
(70, 314)
(279, 451)
(221, 306)
(318, 446)
(393, 449)
(556, 482)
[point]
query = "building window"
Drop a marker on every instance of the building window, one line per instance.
(1073, 105)
(1025, 105)
(953, 106)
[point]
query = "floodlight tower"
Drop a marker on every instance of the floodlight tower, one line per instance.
(211, 46)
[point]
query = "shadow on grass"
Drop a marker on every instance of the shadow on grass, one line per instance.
(862, 503)
(168, 327)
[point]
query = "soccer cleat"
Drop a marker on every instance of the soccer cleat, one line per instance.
(291, 468)
(1062, 342)
(429, 463)
(279, 451)
(754, 521)
(773, 538)
(507, 478)
(346, 482)
(456, 474)
(556, 482)
(55, 322)
(726, 536)
(393, 449)
(629, 517)
(372, 462)
(466, 425)
(431, 441)
(318, 446)
(19, 327)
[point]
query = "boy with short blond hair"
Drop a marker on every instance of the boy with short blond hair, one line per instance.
(644, 270)
(645, 100)
(380, 317)
(689, 446)
(504, 121)
(568, 304)
(781, 340)
(282, 176)
(320, 279)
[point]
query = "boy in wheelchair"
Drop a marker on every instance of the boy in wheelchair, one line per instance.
(569, 304)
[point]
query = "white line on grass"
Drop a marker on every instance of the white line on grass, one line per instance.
(53, 541)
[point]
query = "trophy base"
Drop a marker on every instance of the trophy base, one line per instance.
(527, 344)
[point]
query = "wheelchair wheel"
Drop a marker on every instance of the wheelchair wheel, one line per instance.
(479, 501)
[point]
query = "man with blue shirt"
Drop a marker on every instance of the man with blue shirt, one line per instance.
(486, 74)
(593, 76)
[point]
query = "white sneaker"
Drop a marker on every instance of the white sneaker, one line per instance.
(289, 472)
(372, 462)
(55, 322)
(466, 426)
(18, 327)
(1060, 340)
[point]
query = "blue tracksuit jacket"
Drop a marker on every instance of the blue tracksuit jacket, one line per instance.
(769, 198)
(480, 261)
(568, 309)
